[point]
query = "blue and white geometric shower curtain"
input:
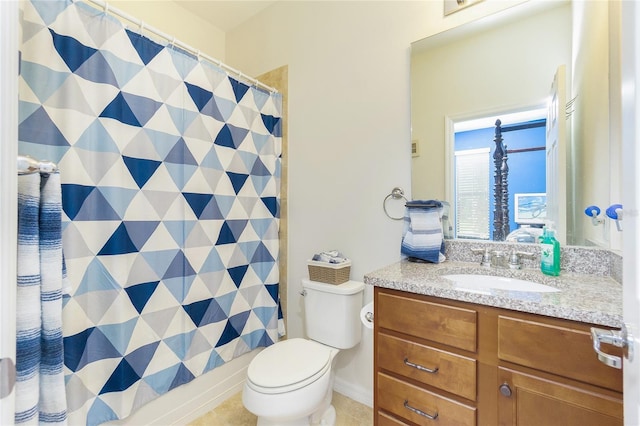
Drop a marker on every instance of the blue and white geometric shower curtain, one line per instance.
(170, 187)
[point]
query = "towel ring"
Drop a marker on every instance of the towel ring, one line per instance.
(397, 193)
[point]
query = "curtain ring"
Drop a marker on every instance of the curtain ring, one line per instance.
(397, 193)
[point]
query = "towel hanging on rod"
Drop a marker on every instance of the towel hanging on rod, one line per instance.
(28, 165)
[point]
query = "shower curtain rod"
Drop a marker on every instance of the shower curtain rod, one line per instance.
(28, 165)
(172, 40)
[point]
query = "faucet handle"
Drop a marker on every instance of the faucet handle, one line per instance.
(525, 254)
(514, 258)
(486, 256)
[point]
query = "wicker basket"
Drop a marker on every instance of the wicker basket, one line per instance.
(330, 273)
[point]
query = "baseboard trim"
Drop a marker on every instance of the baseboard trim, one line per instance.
(357, 393)
(201, 405)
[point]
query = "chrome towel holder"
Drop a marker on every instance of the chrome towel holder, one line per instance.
(397, 193)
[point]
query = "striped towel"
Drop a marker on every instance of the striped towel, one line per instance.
(422, 236)
(40, 387)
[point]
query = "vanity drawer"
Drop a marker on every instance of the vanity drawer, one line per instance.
(399, 398)
(565, 351)
(455, 373)
(386, 420)
(444, 324)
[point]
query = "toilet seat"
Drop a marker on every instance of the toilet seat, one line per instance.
(288, 365)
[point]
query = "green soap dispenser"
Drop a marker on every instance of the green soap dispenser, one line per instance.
(550, 253)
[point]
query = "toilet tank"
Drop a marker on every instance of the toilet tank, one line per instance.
(332, 312)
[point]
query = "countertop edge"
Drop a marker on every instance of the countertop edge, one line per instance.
(576, 304)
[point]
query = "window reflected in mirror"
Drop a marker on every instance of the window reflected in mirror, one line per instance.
(496, 169)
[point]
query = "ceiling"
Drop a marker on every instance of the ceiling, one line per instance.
(225, 15)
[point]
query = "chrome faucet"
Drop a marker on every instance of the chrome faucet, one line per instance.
(486, 256)
(500, 259)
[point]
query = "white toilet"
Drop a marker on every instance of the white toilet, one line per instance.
(290, 383)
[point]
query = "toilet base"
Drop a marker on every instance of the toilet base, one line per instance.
(329, 417)
(324, 414)
(326, 418)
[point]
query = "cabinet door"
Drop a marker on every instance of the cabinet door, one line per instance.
(527, 400)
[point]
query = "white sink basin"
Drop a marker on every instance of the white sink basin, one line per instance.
(485, 283)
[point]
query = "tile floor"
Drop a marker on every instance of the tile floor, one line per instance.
(232, 413)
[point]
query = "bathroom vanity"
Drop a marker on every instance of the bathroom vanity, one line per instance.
(449, 355)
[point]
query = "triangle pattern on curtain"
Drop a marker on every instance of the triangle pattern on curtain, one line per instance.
(170, 176)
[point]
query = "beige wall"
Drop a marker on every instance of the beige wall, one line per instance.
(349, 132)
(175, 21)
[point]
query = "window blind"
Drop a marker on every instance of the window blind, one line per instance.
(472, 193)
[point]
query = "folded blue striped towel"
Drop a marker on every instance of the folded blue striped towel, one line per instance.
(422, 236)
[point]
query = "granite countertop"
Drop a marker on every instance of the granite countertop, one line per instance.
(585, 298)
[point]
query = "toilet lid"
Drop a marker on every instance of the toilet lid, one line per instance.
(289, 362)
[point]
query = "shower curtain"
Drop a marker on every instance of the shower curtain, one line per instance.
(40, 396)
(170, 176)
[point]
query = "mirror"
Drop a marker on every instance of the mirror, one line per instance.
(506, 63)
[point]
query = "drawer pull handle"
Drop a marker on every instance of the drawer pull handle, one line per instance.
(420, 412)
(421, 368)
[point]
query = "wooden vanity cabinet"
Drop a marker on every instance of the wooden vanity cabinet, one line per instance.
(534, 401)
(425, 360)
(468, 364)
(550, 375)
